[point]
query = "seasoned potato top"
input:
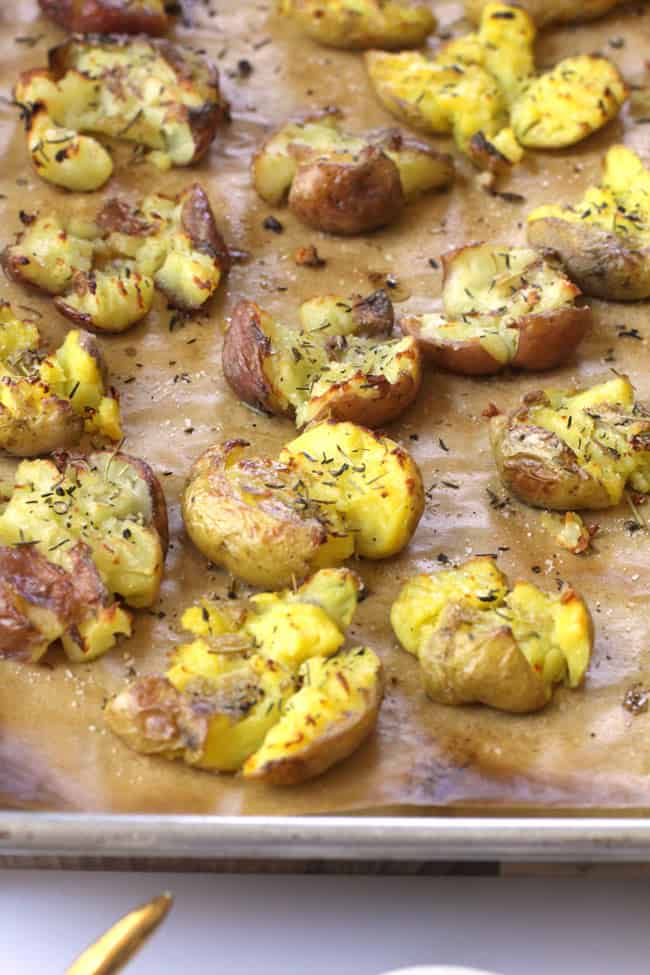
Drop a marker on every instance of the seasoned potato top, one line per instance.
(501, 305)
(143, 91)
(104, 273)
(478, 640)
(48, 402)
(586, 445)
(482, 89)
(362, 23)
(620, 205)
(264, 686)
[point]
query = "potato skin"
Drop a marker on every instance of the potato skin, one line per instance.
(112, 17)
(546, 12)
(266, 545)
(348, 197)
(541, 470)
(245, 348)
(599, 261)
(327, 750)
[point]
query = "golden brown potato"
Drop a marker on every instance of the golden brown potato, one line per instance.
(360, 24)
(604, 240)
(501, 306)
(104, 274)
(79, 535)
(329, 372)
(546, 12)
(144, 91)
(579, 449)
(108, 16)
(48, 402)
(482, 89)
(343, 183)
(478, 641)
(264, 686)
(335, 491)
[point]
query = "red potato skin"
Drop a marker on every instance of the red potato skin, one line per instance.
(99, 16)
(549, 339)
(348, 198)
(197, 220)
(245, 349)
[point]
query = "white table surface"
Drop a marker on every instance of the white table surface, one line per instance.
(332, 925)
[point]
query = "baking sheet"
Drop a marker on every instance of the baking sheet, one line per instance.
(583, 752)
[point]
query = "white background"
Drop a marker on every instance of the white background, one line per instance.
(333, 925)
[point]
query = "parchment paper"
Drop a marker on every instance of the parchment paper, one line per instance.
(584, 751)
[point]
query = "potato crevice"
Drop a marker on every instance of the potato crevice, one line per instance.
(265, 687)
(501, 306)
(478, 641)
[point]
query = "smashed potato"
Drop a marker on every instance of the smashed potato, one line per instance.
(546, 12)
(478, 641)
(336, 491)
(109, 16)
(361, 24)
(579, 449)
(264, 688)
(481, 89)
(329, 372)
(47, 403)
(104, 274)
(78, 535)
(343, 183)
(140, 90)
(604, 239)
(502, 306)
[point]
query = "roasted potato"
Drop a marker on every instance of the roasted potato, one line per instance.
(144, 91)
(578, 449)
(259, 681)
(478, 641)
(545, 12)
(361, 24)
(77, 532)
(482, 89)
(313, 375)
(343, 183)
(501, 306)
(109, 16)
(336, 491)
(103, 274)
(604, 240)
(47, 403)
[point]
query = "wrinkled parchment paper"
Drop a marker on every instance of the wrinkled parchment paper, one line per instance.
(584, 751)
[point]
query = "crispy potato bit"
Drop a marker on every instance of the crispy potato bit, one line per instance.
(336, 491)
(77, 532)
(109, 16)
(546, 12)
(501, 306)
(479, 641)
(326, 371)
(103, 274)
(567, 104)
(47, 403)
(148, 92)
(253, 668)
(344, 183)
(570, 450)
(604, 239)
(574, 535)
(482, 89)
(360, 24)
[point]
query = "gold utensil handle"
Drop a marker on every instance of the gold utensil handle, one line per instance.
(114, 949)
